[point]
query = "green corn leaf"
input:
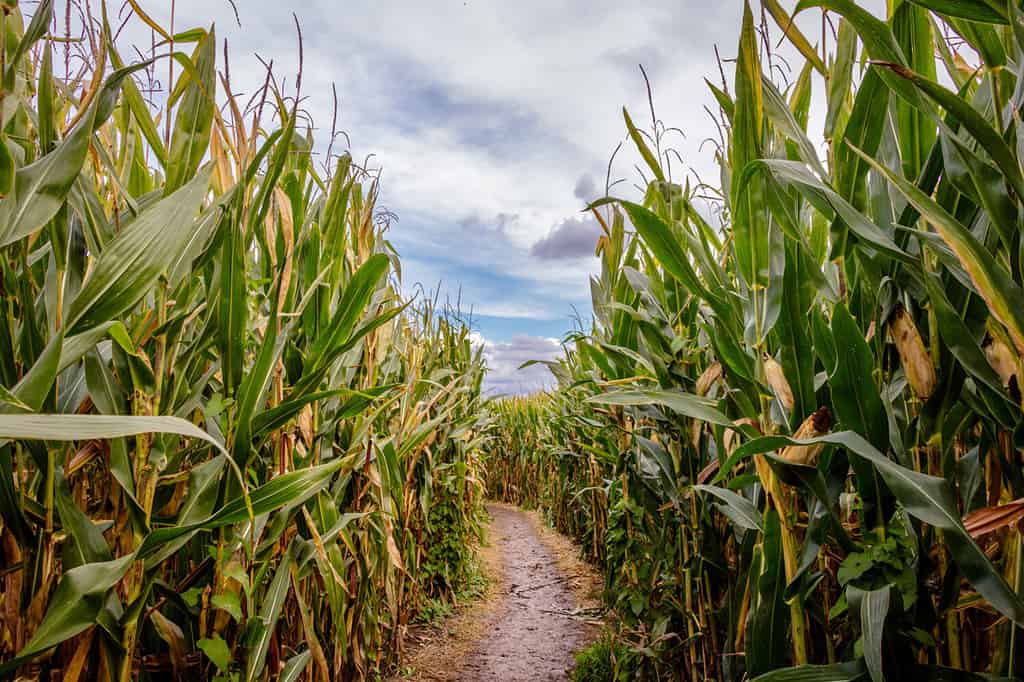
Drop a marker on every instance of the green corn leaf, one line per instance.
(750, 224)
(37, 383)
(253, 389)
(973, 10)
(216, 649)
(855, 395)
(41, 188)
(232, 304)
(767, 635)
(641, 145)
(971, 120)
(340, 331)
(74, 607)
(984, 184)
(915, 132)
(840, 78)
(83, 427)
(76, 346)
(191, 137)
(203, 489)
(87, 544)
(658, 237)
(358, 401)
(792, 31)
(270, 612)
(782, 118)
(873, 606)
(685, 404)
(986, 39)
(47, 101)
(140, 111)
(1004, 296)
(956, 335)
(829, 203)
(289, 489)
(724, 101)
(738, 509)
(295, 666)
(838, 672)
(33, 33)
(864, 130)
(878, 39)
(794, 333)
(926, 498)
(131, 264)
(7, 168)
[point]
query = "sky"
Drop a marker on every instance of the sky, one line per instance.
(493, 124)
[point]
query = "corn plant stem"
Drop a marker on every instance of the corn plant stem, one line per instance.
(1018, 574)
(145, 485)
(952, 616)
(830, 647)
(160, 358)
(790, 547)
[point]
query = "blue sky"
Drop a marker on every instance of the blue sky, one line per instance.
(493, 123)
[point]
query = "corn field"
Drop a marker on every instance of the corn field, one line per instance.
(792, 438)
(231, 449)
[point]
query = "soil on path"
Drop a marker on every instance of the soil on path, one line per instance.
(531, 623)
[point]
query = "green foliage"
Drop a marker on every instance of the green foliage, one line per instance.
(600, 662)
(791, 436)
(230, 448)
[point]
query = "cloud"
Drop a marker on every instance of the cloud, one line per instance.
(482, 110)
(570, 239)
(586, 188)
(630, 59)
(505, 357)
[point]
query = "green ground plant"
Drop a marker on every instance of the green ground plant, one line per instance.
(599, 662)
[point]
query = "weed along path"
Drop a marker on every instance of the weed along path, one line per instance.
(533, 618)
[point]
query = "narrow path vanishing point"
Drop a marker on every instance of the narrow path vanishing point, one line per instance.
(535, 632)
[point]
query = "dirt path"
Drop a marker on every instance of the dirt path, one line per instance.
(538, 630)
(529, 625)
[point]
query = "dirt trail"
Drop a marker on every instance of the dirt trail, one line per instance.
(529, 623)
(535, 630)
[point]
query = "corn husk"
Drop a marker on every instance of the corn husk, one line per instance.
(306, 425)
(818, 424)
(729, 439)
(777, 380)
(917, 363)
(706, 380)
(1002, 359)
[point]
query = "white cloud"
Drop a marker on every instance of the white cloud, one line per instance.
(504, 359)
(479, 109)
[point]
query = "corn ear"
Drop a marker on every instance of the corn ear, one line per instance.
(1002, 359)
(818, 424)
(777, 380)
(917, 363)
(708, 379)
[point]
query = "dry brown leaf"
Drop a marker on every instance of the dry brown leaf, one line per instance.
(990, 519)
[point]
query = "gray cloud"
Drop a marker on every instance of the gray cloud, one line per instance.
(586, 188)
(629, 60)
(571, 238)
(456, 141)
(504, 359)
(476, 224)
